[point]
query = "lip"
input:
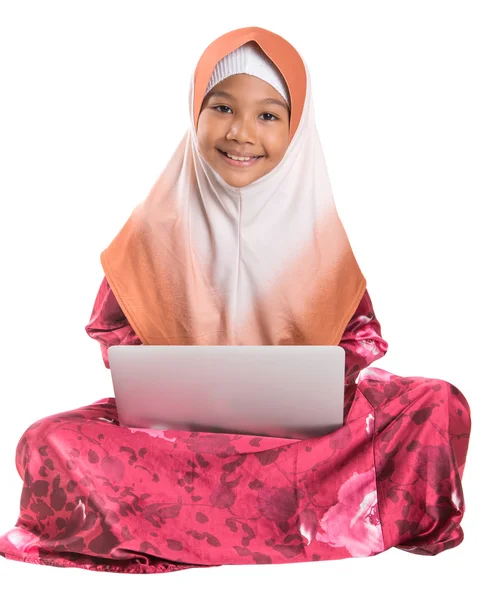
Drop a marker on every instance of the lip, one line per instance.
(239, 164)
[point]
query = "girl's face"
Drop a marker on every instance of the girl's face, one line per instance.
(246, 117)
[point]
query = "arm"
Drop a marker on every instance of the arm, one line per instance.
(362, 340)
(108, 324)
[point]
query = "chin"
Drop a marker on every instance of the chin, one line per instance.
(239, 183)
(239, 180)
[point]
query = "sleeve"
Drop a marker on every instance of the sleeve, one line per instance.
(108, 323)
(362, 340)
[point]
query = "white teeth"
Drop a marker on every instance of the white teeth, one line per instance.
(240, 158)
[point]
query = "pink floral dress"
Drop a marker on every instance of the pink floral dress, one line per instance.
(109, 498)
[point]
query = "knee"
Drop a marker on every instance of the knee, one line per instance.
(34, 437)
(443, 401)
(452, 396)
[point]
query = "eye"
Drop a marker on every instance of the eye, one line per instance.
(274, 118)
(221, 106)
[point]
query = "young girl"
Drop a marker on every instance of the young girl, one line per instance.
(239, 242)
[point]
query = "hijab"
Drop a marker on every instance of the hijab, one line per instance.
(202, 262)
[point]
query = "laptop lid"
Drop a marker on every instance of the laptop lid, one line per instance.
(281, 391)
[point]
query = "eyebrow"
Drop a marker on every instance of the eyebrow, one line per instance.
(264, 101)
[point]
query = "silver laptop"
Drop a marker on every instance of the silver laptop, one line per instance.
(281, 391)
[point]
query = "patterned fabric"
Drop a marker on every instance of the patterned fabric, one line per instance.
(109, 498)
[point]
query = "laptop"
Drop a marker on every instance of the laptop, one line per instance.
(281, 391)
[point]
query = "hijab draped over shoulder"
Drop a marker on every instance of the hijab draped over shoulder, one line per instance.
(202, 262)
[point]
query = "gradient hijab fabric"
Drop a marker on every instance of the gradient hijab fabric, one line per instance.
(202, 262)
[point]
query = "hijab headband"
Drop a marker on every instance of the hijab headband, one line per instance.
(249, 59)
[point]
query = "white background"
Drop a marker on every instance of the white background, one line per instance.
(93, 101)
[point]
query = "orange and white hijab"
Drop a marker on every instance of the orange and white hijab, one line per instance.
(202, 262)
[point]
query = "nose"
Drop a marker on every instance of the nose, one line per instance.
(243, 130)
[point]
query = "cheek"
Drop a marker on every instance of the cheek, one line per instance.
(277, 144)
(206, 136)
(203, 129)
(279, 149)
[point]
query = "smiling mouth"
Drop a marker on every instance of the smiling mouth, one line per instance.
(239, 163)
